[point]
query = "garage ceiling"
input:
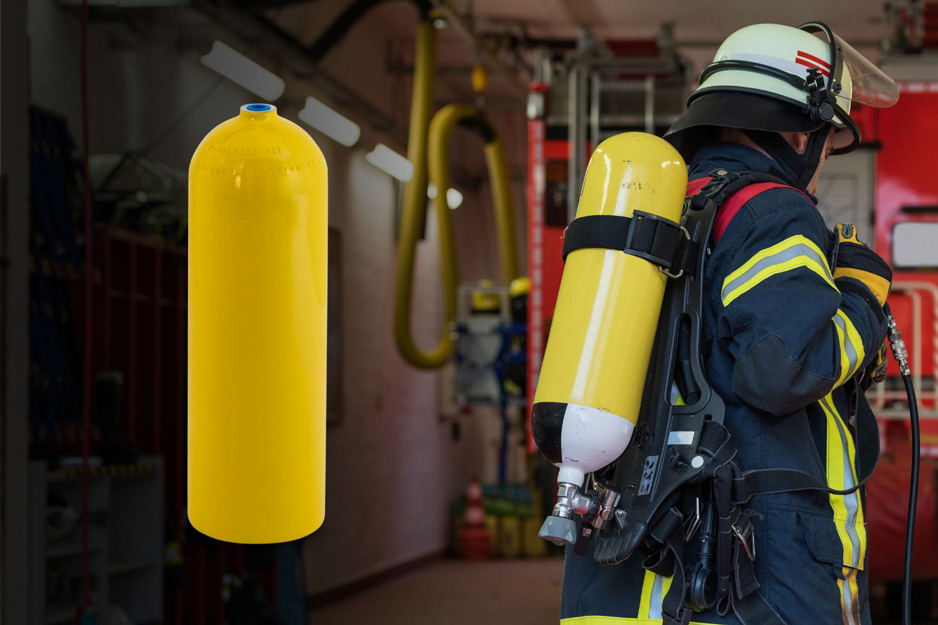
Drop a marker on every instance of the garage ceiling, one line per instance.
(699, 21)
(699, 26)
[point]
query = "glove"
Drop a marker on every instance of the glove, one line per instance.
(853, 259)
(876, 371)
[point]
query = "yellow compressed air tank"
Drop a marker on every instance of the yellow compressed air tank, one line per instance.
(258, 228)
(597, 355)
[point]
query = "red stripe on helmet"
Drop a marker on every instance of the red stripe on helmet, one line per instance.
(823, 71)
(821, 62)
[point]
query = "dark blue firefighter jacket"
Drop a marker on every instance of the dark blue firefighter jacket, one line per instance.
(783, 339)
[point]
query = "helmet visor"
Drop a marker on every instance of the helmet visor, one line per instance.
(870, 86)
(860, 80)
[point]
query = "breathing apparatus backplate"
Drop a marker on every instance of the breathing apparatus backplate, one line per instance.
(661, 457)
(673, 444)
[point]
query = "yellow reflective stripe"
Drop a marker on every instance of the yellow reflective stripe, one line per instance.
(835, 480)
(855, 340)
(858, 522)
(848, 510)
(841, 475)
(849, 597)
(654, 588)
(851, 347)
(842, 342)
(795, 251)
(644, 605)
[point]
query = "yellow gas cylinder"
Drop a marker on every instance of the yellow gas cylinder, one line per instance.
(258, 230)
(597, 355)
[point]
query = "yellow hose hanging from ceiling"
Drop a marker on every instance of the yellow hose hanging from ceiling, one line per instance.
(440, 133)
(500, 179)
(414, 210)
(412, 218)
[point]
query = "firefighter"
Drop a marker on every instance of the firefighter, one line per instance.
(794, 325)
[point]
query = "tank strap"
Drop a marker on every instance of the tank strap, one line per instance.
(662, 241)
(645, 235)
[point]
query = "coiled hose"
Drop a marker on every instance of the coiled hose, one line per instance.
(428, 147)
(414, 211)
(441, 130)
(500, 179)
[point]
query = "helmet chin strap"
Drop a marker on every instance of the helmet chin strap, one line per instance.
(802, 165)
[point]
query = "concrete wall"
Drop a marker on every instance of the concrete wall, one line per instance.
(393, 467)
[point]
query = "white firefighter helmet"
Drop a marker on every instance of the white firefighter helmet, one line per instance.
(769, 77)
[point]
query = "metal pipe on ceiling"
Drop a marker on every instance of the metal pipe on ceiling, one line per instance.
(459, 23)
(342, 24)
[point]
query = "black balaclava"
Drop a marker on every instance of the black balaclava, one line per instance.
(803, 166)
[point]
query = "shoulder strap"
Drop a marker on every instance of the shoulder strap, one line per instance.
(736, 202)
(730, 191)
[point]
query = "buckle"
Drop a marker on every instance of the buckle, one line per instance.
(641, 216)
(719, 178)
(746, 537)
(692, 523)
(680, 272)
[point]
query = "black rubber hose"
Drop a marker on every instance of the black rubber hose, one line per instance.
(900, 355)
(913, 501)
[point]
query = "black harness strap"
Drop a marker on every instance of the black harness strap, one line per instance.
(674, 610)
(770, 481)
(728, 515)
(753, 609)
(645, 235)
(722, 185)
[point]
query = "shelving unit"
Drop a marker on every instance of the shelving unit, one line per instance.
(140, 309)
(125, 542)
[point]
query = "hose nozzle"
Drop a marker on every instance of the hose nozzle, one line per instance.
(896, 343)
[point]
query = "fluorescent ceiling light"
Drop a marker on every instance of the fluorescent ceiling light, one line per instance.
(390, 162)
(240, 69)
(329, 122)
(453, 198)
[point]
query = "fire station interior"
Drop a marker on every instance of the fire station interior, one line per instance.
(440, 252)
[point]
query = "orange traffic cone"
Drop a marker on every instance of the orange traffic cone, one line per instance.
(475, 543)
